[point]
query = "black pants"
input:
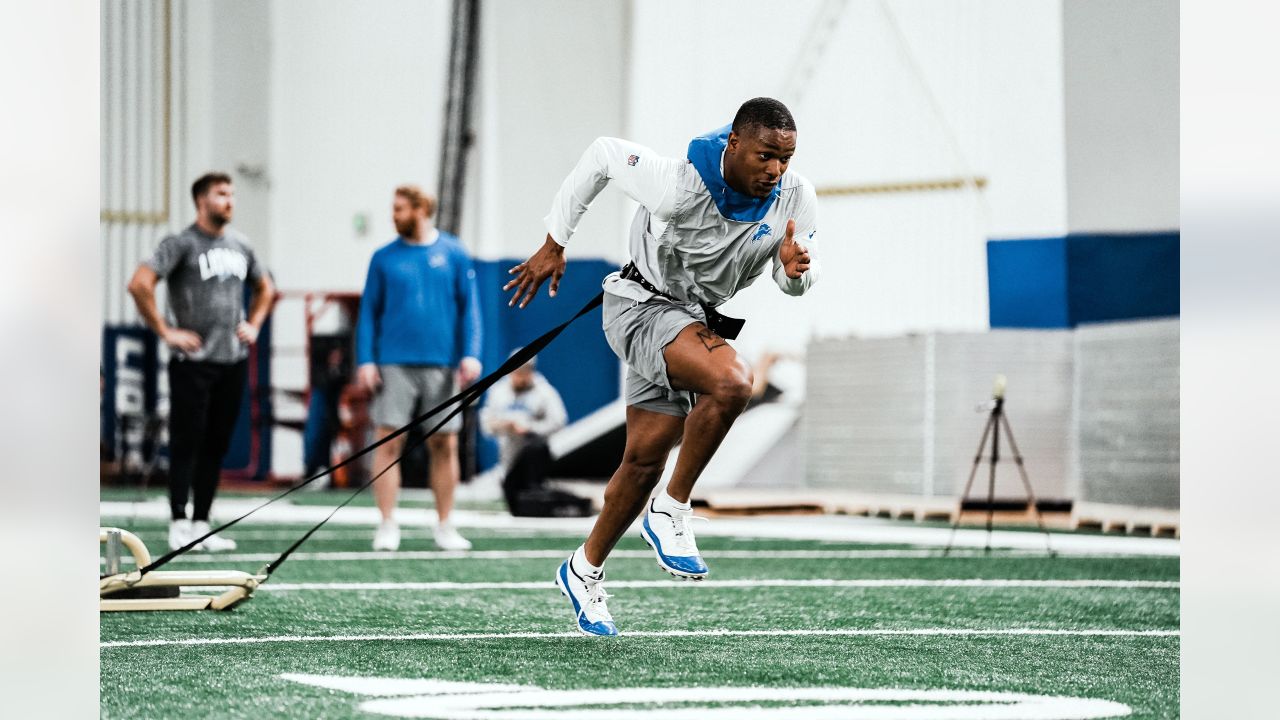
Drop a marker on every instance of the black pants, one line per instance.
(204, 400)
(528, 470)
(526, 490)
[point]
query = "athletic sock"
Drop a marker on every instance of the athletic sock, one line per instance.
(663, 502)
(579, 562)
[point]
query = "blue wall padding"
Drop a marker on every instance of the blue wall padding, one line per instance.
(1062, 282)
(1120, 277)
(1027, 282)
(141, 370)
(578, 363)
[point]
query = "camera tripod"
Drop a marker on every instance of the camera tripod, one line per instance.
(995, 421)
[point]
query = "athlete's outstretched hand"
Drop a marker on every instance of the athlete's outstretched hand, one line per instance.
(794, 256)
(548, 262)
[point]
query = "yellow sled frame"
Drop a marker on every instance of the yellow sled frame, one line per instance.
(240, 585)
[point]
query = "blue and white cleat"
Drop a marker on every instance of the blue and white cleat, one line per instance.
(670, 536)
(586, 593)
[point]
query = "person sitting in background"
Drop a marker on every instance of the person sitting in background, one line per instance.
(521, 411)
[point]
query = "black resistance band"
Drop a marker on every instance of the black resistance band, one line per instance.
(463, 398)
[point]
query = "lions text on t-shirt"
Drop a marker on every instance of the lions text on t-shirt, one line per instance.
(206, 277)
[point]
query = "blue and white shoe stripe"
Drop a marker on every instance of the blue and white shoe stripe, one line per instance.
(604, 628)
(690, 566)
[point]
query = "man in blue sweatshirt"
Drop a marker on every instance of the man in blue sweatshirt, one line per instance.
(418, 340)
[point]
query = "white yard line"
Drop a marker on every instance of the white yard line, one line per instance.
(432, 698)
(743, 583)
(836, 528)
(920, 632)
(623, 554)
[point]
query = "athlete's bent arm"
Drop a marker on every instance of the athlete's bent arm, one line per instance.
(795, 267)
(635, 169)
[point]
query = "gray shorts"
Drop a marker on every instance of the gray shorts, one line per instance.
(638, 332)
(410, 390)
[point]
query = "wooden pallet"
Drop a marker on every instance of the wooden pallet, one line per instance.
(892, 507)
(1127, 520)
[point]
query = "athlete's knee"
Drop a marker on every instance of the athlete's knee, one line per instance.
(733, 385)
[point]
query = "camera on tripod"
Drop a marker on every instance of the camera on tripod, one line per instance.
(996, 419)
(997, 395)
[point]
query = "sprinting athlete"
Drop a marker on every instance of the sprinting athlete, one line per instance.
(707, 227)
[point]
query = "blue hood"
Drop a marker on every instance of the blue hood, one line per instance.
(705, 152)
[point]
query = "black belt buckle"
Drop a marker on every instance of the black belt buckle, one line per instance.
(632, 273)
(723, 325)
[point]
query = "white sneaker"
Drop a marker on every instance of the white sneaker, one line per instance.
(586, 594)
(447, 538)
(668, 533)
(213, 543)
(179, 533)
(387, 536)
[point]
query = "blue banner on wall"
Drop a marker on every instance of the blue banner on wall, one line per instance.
(130, 397)
(579, 364)
(1122, 277)
(135, 405)
(1063, 282)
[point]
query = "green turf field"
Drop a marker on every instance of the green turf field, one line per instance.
(793, 628)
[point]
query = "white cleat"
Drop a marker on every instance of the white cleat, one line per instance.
(671, 538)
(387, 536)
(447, 538)
(586, 594)
(179, 533)
(213, 543)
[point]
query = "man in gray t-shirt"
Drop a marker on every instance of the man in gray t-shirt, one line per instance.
(206, 276)
(206, 266)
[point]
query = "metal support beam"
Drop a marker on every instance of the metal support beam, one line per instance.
(458, 132)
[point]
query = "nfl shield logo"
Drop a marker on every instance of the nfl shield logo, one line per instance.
(632, 160)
